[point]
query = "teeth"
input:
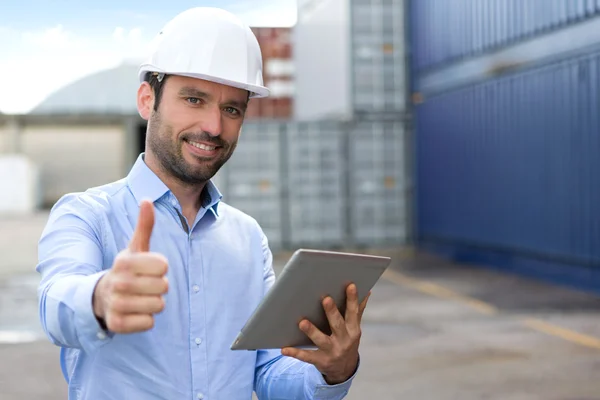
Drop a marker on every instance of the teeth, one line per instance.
(202, 146)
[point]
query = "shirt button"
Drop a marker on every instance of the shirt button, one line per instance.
(196, 288)
(198, 341)
(200, 396)
(101, 335)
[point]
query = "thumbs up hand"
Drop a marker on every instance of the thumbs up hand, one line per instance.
(130, 293)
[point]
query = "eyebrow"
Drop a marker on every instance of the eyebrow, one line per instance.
(193, 92)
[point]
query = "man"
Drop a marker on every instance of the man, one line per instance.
(146, 281)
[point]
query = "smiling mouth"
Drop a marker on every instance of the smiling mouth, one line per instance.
(202, 146)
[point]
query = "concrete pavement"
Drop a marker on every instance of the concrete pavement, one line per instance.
(432, 330)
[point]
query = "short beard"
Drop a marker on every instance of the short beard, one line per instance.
(170, 154)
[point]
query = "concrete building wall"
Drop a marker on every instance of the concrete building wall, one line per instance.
(74, 158)
(3, 139)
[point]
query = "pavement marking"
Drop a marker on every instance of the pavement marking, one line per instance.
(16, 337)
(439, 291)
(488, 309)
(563, 333)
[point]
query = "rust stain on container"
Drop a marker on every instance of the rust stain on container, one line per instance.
(417, 98)
(389, 182)
(388, 48)
(264, 185)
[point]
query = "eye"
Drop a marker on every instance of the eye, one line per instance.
(193, 100)
(232, 110)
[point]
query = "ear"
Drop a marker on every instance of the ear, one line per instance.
(145, 101)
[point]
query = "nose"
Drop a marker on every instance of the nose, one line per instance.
(212, 121)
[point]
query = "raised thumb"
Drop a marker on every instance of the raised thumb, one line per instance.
(141, 236)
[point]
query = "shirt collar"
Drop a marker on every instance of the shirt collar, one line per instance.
(145, 184)
(213, 199)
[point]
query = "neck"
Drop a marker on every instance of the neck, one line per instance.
(189, 196)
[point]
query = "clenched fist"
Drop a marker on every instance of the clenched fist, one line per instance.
(131, 292)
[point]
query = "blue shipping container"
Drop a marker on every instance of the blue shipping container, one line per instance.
(445, 31)
(511, 167)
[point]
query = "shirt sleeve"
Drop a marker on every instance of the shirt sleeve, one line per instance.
(280, 377)
(70, 260)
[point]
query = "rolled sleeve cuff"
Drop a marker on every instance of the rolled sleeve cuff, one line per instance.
(89, 332)
(325, 391)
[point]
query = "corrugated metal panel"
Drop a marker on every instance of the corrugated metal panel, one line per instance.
(251, 179)
(591, 7)
(512, 164)
(321, 184)
(317, 200)
(576, 39)
(438, 36)
(362, 67)
(378, 55)
(378, 183)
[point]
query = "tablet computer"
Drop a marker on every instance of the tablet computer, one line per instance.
(307, 278)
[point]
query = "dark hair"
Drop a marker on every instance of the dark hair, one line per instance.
(157, 87)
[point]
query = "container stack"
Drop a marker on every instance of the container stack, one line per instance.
(337, 175)
(351, 68)
(350, 60)
(507, 134)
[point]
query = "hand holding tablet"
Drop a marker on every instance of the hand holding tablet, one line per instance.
(307, 279)
(317, 302)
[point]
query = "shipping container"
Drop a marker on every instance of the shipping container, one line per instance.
(447, 31)
(508, 170)
(269, 108)
(278, 75)
(350, 59)
(378, 56)
(317, 195)
(323, 184)
(378, 183)
(251, 180)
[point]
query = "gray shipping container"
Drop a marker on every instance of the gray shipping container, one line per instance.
(322, 184)
(317, 200)
(378, 183)
(251, 179)
(350, 58)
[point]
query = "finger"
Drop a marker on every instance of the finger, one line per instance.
(141, 285)
(352, 306)
(129, 323)
(363, 306)
(336, 321)
(321, 340)
(143, 230)
(148, 264)
(313, 357)
(137, 304)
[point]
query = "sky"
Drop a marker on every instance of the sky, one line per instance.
(45, 45)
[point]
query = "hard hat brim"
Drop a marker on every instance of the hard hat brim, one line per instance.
(255, 90)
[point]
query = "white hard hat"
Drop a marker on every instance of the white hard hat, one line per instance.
(211, 44)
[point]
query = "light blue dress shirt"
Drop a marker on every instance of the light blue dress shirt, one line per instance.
(218, 273)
